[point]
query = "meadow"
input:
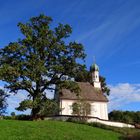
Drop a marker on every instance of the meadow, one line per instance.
(52, 130)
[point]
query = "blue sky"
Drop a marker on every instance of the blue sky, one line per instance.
(109, 30)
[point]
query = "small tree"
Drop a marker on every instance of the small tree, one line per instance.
(86, 108)
(13, 115)
(3, 103)
(76, 109)
(82, 109)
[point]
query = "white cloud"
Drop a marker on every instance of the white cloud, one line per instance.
(13, 102)
(123, 94)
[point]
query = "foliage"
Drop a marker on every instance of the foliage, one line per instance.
(17, 117)
(7, 117)
(82, 109)
(22, 117)
(52, 130)
(104, 86)
(3, 104)
(49, 108)
(125, 116)
(40, 60)
(76, 108)
(25, 104)
(83, 75)
(13, 114)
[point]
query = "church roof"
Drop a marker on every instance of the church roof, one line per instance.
(88, 92)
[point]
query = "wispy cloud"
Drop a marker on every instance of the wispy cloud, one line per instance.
(111, 32)
(68, 11)
(123, 94)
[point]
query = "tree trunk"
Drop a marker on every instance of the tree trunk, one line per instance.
(35, 114)
(35, 110)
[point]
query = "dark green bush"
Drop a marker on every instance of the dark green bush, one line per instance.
(18, 117)
(22, 117)
(125, 116)
(7, 117)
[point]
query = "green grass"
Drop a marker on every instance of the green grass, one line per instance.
(52, 130)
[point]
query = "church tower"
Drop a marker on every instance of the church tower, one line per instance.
(94, 69)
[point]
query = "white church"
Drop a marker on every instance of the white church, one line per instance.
(90, 92)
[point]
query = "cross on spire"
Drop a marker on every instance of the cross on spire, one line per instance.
(94, 59)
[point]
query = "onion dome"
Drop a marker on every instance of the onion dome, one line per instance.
(94, 67)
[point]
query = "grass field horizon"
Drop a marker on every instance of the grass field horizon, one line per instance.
(52, 130)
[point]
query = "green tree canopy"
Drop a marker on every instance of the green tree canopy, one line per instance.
(40, 60)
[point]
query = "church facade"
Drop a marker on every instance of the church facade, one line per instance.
(90, 92)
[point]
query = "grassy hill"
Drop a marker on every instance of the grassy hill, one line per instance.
(52, 130)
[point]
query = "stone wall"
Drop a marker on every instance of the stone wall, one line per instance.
(111, 123)
(92, 119)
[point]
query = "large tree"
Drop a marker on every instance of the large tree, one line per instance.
(39, 60)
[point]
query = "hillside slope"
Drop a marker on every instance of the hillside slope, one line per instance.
(52, 130)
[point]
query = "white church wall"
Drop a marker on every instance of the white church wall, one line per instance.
(66, 106)
(97, 84)
(98, 109)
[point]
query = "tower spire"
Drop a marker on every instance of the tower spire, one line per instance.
(94, 69)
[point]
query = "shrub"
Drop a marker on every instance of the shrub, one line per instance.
(22, 117)
(7, 117)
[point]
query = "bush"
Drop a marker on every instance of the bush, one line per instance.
(7, 117)
(23, 117)
(18, 117)
(79, 120)
(125, 116)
